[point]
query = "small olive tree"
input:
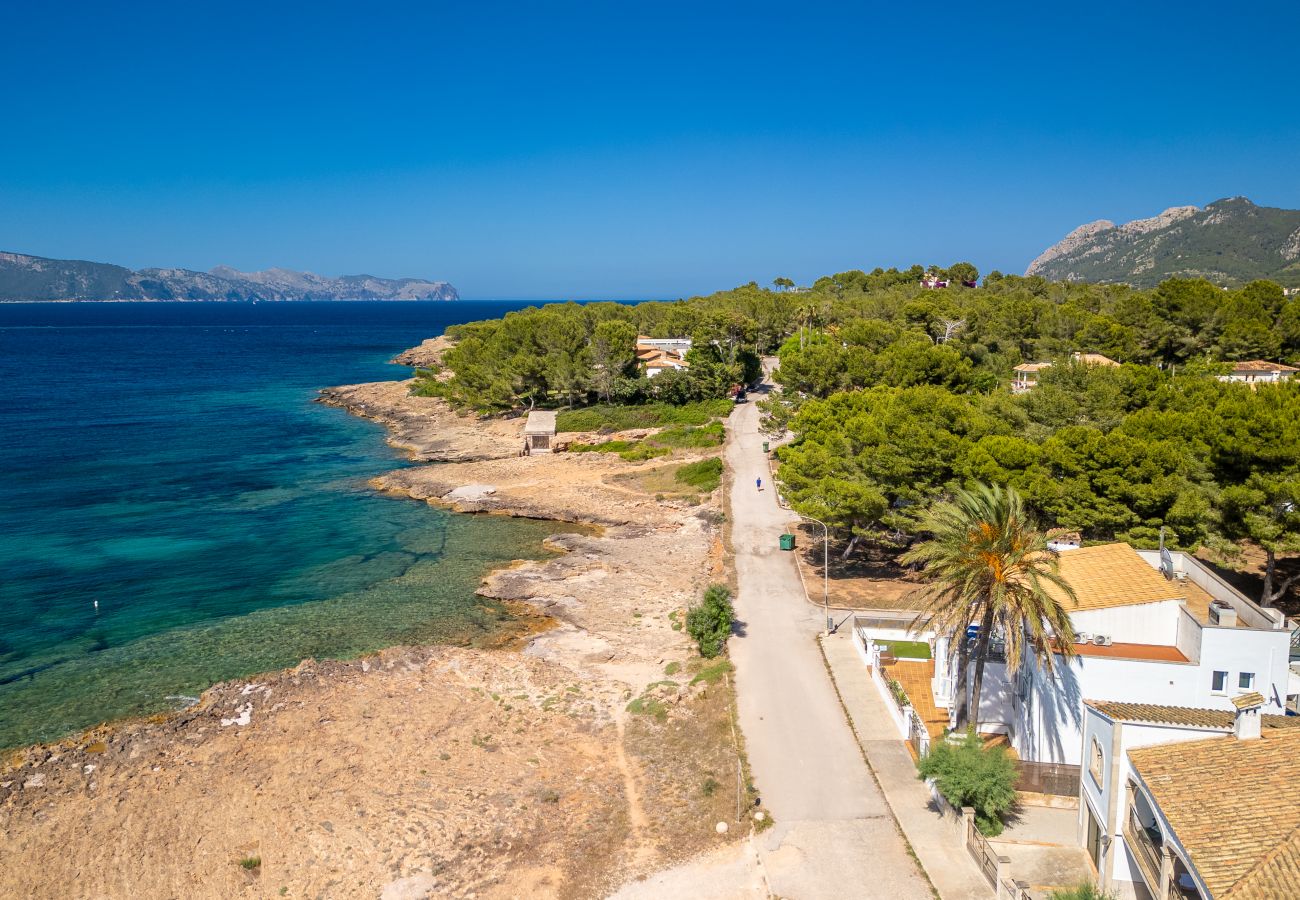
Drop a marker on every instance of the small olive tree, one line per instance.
(709, 622)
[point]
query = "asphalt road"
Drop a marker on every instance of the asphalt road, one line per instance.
(835, 836)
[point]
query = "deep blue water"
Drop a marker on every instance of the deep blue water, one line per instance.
(168, 461)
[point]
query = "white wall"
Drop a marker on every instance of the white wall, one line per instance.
(1132, 736)
(1047, 723)
(1143, 623)
(1236, 650)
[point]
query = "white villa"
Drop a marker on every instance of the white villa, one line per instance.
(1152, 627)
(1258, 371)
(1154, 726)
(654, 355)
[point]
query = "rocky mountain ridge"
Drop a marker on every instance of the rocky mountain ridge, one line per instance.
(1229, 242)
(35, 278)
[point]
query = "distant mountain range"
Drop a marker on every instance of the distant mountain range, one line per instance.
(1228, 242)
(34, 278)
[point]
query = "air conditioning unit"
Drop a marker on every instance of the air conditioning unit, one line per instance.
(1082, 637)
(1102, 640)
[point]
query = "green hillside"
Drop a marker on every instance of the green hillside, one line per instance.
(1230, 242)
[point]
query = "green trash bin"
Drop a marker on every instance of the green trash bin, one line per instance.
(765, 446)
(787, 542)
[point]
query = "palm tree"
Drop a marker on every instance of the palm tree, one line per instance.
(990, 565)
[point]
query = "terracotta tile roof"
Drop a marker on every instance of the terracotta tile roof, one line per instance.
(1094, 359)
(1032, 367)
(1111, 575)
(1218, 719)
(1234, 807)
(1248, 701)
(1260, 365)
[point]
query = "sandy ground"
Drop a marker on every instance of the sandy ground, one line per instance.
(428, 771)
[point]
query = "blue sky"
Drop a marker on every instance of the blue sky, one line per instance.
(558, 149)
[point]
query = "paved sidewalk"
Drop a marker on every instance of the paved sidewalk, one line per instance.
(935, 841)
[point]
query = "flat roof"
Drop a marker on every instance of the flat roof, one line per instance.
(1111, 575)
(540, 421)
(1120, 650)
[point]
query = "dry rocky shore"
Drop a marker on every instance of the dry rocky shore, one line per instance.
(599, 751)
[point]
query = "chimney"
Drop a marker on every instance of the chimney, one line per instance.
(1247, 723)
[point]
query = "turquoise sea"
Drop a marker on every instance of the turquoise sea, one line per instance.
(167, 461)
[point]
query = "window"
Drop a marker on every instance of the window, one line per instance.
(1219, 683)
(1246, 681)
(1096, 761)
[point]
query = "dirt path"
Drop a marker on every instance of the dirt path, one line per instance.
(642, 850)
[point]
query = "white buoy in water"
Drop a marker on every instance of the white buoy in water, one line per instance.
(96, 606)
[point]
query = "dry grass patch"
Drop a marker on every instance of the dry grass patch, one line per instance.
(660, 482)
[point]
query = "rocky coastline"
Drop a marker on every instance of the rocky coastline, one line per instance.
(562, 766)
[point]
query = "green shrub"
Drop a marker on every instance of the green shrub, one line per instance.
(646, 705)
(251, 862)
(606, 447)
(690, 436)
(970, 774)
(900, 695)
(709, 623)
(633, 451)
(704, 475)
(426, 384)
(712, 674)
(648, 415)
(642, 452)
(1084, 891)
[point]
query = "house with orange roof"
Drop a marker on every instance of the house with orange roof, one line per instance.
(1025, 376)
(655, 355)
(1151, 627)
(1147, 803)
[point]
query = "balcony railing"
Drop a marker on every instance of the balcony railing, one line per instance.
(1145, 844)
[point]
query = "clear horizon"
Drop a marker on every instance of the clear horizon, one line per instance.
(592, 152)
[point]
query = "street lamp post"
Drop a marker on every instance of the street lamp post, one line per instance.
(826, 556)
(826, 569)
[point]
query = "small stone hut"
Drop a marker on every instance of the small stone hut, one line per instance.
(539, 431)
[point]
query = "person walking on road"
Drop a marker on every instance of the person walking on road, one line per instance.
(759, 482)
